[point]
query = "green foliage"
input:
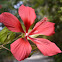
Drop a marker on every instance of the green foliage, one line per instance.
(57, 58)
(6, 36)
(3, 35)
(11, 36)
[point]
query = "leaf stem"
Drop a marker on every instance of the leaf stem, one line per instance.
(4, 47)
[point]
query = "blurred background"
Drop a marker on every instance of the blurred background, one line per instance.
(49, 8)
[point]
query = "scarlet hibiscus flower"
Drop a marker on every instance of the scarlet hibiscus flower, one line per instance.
(21, 47)
(0, 6)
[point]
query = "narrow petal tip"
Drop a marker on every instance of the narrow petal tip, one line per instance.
(46, 47)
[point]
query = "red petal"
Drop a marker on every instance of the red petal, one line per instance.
(28, 16)
(43, 28)
(11, 22)
(21, 49)
(46, 47)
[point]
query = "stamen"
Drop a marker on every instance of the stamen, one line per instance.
(26, 34)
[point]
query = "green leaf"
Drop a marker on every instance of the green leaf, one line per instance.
(6, 36)
(11, 36)
(3, 35)
(3, 31)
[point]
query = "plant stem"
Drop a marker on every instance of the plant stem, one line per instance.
(4, 47)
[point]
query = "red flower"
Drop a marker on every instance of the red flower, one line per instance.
(0, 6)
(21, 47)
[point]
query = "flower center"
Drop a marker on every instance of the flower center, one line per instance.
(26, 34)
